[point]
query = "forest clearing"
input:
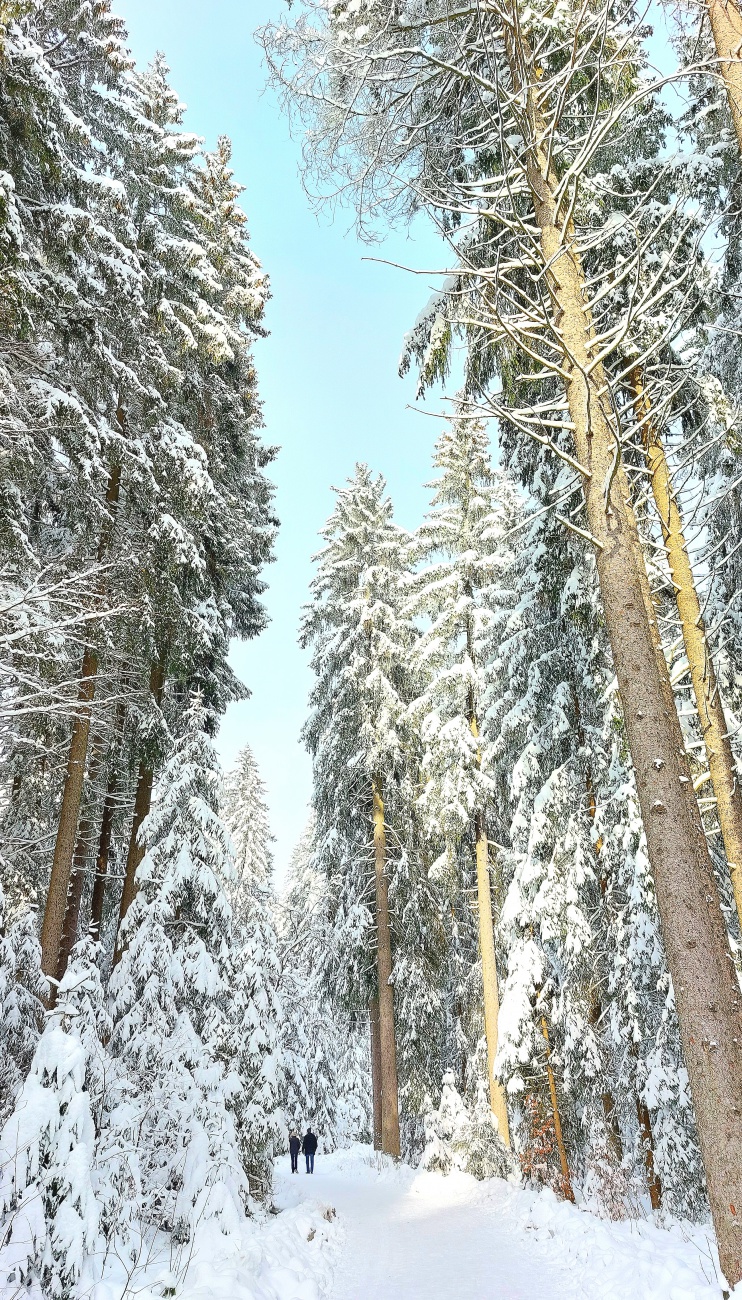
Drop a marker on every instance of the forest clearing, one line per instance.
(491, 999)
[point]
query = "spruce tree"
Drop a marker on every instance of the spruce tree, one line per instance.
(454, 561)
(171, 995)
(356, 737)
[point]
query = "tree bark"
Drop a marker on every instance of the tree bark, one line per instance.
(489, 978)
(101, 861)
(490, 990)
(387, 1038)
(64, 845)
(696, 942)
(142, 805)
(647, 1141)
(56, 900)
(726, 26)
(722, 766)
(562, 1150)
(74, 897)
(373, 1012)
(136, 851)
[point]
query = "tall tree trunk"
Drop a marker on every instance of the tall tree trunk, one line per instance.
(74, 898)
(142, 805)
(64, 845)
(490, 990)
(696, 942)
(136, 851)
(561, 1149)
(726, 25)
(387, 1037)
(711, 717)
(101, 861)
(373, 1015)
(79, 863)
(489, 977)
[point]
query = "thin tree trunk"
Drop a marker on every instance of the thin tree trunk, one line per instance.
(79, 861)
(726, 25)
(74, 898)
(101, 861)
(136, 851)
(64, 845)
(568, 1192)
(696, 942)
(490, 990)
(647, 1141)
(142, 805)
(373, 1014)
(489, 978)
(711, 717)
(387, 1039)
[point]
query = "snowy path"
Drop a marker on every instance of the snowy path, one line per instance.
(434, 1240)
(407, 1235)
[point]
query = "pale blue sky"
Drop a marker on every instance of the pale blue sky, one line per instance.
(328, 371)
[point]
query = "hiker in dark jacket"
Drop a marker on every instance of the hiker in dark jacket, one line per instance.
(294, 1148)
(309, 1146)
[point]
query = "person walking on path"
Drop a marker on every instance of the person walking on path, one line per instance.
(309, 1146)
(294, 1148)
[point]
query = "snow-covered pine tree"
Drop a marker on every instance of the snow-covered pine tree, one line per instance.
(454, 560)
(461, 1137)
(212, 498)
(256, 1011)
(171, 995)
(355, 735)
(49, 1203)
(22, 992)
(327, 1077)
(247, 817)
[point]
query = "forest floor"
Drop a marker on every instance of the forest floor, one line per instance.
(409, 1235)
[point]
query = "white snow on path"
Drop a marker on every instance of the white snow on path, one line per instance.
(434, 1239)
(407, 1235)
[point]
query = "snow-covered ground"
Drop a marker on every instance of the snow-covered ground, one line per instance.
(364, 1229)
(288, 1256)
(409, 1235)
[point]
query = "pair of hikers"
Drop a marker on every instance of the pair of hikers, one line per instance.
(307, 1145)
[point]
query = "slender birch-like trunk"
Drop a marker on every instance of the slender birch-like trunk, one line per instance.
(387, 1038)
(490, 990)
(64, 844)
(373, 1015)
(696, 942)
(562, 1150)
(719, 754)
(489, 977)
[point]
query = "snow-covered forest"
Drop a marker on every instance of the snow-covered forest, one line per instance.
(500, 976)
